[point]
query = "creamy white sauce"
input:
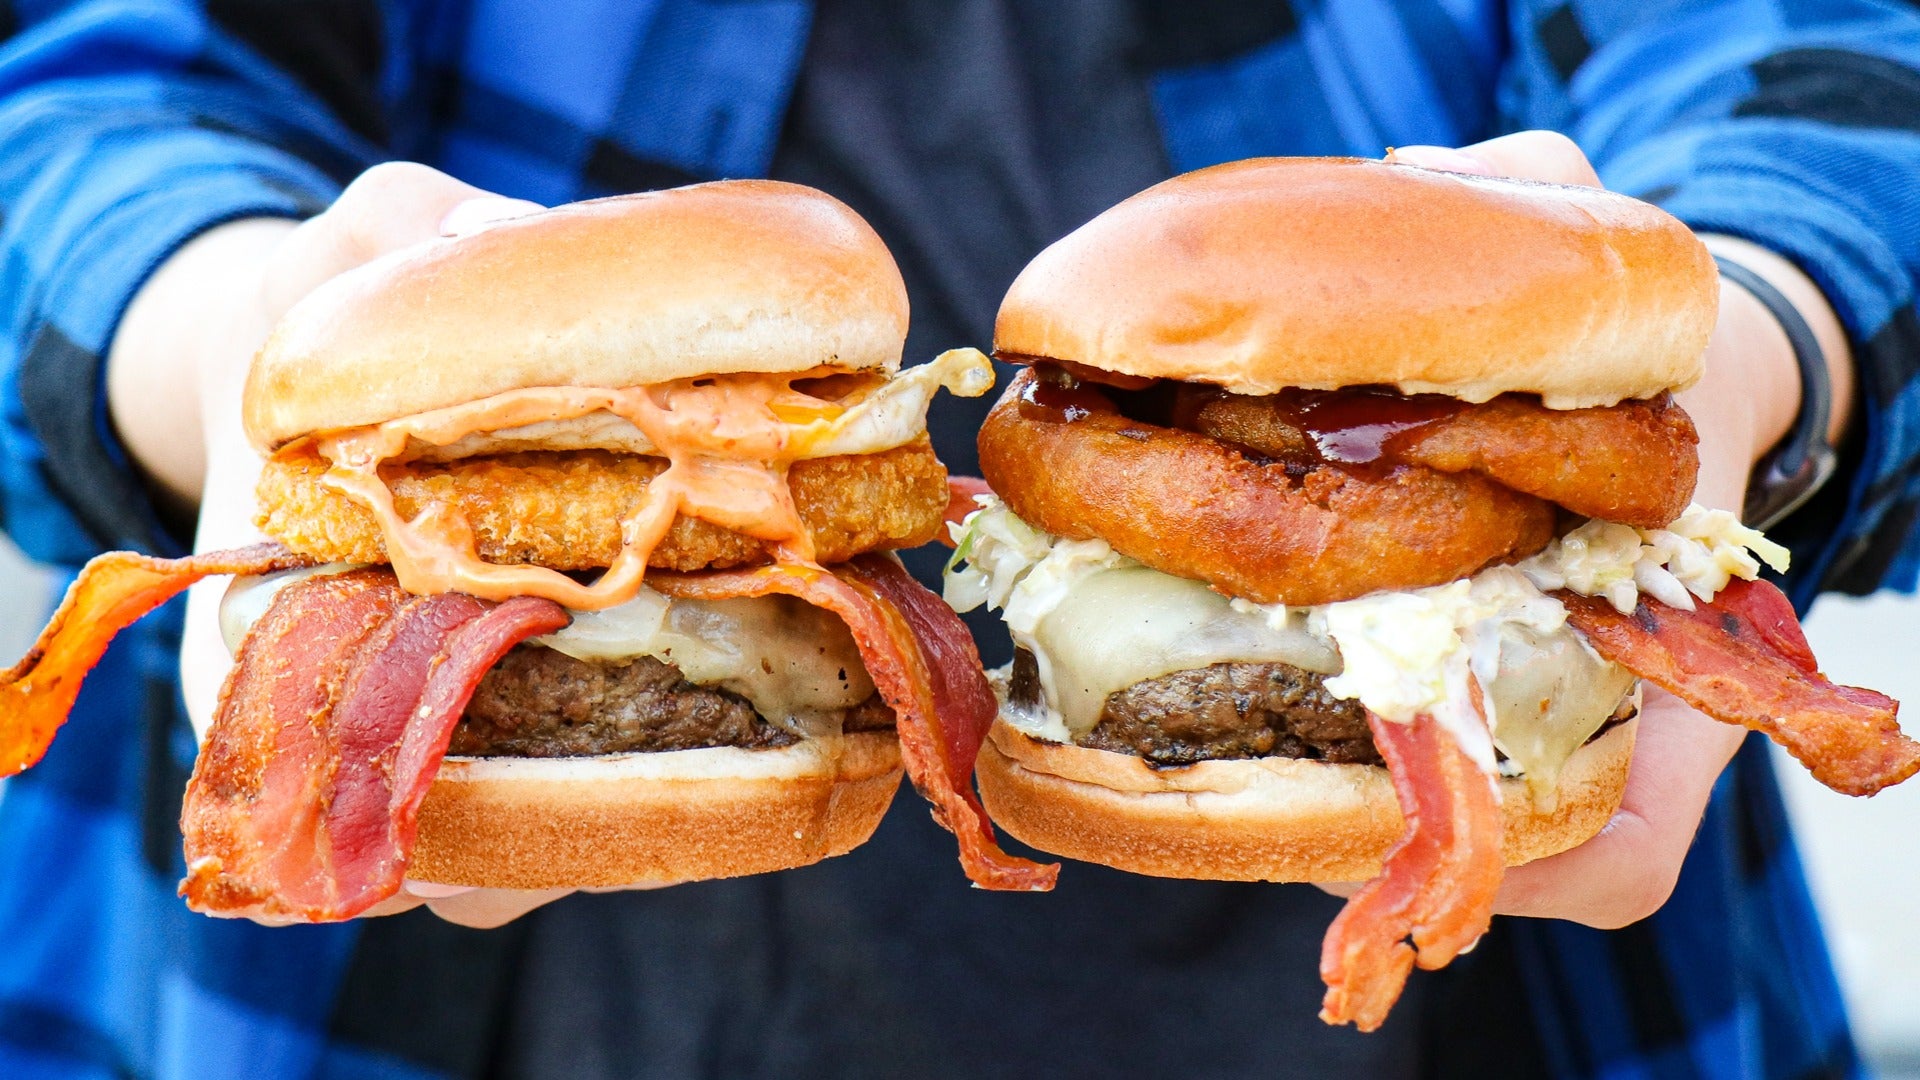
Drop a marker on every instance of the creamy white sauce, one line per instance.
(1097, 621)
(1695, 556)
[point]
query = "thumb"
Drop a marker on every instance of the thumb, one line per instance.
(1547, 156)
(484, 909)
(391, 206)
(388, 207)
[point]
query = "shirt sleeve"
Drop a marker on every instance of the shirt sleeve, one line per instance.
(126, 128)
(1794, 124)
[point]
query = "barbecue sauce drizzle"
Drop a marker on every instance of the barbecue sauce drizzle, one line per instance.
(1355, 427)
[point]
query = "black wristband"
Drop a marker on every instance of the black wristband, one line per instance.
(1789, 474)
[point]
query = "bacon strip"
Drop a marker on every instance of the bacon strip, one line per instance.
(112, 591)
(1437, 884)
(960, 494)
(304, 803)
(963, 705)
(1743, 659)
(923, 662)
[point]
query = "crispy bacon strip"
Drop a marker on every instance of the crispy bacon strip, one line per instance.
(112, 591)
(962, 704)
(960, 493)
(304, 803)
(923, 662)
(1437, 884)
(1743, 659)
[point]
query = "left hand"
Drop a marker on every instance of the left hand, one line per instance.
(176, 373)
(1745, 404)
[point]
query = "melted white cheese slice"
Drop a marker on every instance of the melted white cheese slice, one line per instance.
(791, 660)
(1097, 621)
(1114, 627)
(247, 598)
(1551, 693)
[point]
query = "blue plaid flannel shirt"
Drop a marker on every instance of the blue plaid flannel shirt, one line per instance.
(128, 126)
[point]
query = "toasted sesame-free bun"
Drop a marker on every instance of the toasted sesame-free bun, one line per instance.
(653, 818)
(1329, 272)
(1260, 819)
(731, 276)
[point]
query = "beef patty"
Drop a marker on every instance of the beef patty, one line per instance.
(538, 702)
(1222, 711)
(1231, 711)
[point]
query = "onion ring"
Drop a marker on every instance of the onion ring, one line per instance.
(1195, 507)
(1634, 463)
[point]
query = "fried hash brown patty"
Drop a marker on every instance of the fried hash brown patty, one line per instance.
(562, 509)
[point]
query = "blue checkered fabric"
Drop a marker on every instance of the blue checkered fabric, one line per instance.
(129, 126)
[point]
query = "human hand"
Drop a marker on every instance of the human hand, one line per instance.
(1745, 403)
(175, 375)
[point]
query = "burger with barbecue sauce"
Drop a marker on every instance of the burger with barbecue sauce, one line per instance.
(1338, 515)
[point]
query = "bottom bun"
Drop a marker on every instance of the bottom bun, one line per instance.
(652, 818)
(1260, 819)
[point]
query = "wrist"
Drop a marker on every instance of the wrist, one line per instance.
(1812, 306)
(181, 351)
(1749, 399)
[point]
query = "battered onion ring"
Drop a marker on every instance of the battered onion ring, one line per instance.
(1192, 506)
(1634, 462)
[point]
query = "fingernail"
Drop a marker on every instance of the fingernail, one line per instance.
(430, 890)
(476, 214)
(1444, 158)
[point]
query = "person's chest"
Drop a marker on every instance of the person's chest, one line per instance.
(971, 133)
(596, 97)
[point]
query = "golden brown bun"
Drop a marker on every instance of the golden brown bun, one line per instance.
(625, 819)
(737, 275)
(1332, 272)
(1263, 819)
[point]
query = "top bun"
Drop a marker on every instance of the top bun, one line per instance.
(737, 275)
(1330, 272)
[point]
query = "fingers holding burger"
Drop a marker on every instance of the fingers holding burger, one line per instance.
(578, 572)
(1339, 515)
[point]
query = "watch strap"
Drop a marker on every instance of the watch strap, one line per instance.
(1790, 473)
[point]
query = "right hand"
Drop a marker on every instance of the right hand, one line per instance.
(1744, 404)
(179, 361)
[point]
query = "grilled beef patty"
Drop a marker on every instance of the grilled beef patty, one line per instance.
(1227, 710)
(1231, 711)
(1223, 711)
(1234, 711)
(538, 702)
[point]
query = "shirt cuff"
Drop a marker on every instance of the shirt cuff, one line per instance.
(1837, 537)
(60, 379)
